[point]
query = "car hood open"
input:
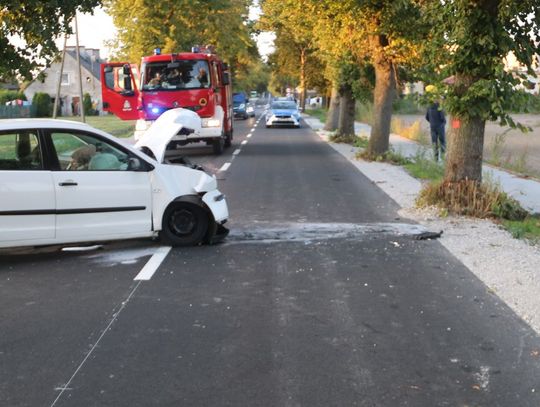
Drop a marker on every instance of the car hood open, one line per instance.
(174, 122)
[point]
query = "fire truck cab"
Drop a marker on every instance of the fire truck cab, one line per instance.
(197, 80)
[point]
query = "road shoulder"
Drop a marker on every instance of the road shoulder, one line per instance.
(508, 267)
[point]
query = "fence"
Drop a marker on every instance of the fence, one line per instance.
(13, 112)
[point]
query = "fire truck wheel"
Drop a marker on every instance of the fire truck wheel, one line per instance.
(228, 138)
(218, 145)
(184, 225)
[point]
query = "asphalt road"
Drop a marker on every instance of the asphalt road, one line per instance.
(313, 300)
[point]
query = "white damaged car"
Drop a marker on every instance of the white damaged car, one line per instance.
(65, 182)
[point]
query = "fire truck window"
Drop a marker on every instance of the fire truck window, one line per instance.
(177, 75)
(114, 79)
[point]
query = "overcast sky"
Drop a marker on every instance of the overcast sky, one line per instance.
(96, 29)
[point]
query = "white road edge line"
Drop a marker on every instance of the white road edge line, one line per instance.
(107, 328)
(153, 264)
(236, 152)
(224, 167)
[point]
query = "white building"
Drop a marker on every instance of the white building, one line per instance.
(69, 90)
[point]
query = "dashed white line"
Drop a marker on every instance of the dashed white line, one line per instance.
(155, 261)
(236, 152)
(249, 136)
(244, 142)
(225, 167)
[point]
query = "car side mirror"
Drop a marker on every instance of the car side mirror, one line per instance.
(134, 164)
(226, 78)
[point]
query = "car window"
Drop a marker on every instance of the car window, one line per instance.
(85, 152)
(20, 150)
(284, 105)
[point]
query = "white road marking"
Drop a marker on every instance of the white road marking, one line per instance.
(249, 136)
(225, 167)
(155, 261)
(236, 152)
(244, 142)
(107, 329)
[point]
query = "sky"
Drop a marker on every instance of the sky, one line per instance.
(91, 37)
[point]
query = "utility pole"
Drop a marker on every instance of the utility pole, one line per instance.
(57, 98)
(81, 106)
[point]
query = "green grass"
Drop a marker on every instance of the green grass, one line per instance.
(422, 167)
(110, 124)
(529, 228)
(318, 113)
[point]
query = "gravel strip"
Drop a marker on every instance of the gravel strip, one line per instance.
(509, 267)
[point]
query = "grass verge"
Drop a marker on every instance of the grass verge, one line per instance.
(528, 228)
(470, 198)
(110, 124)
(422, 167)
(360, 141)
(318, 113)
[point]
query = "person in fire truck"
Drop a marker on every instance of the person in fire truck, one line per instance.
(203, 78)
(155, 81)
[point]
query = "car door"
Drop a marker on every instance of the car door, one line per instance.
(27, 197)
(98, 195)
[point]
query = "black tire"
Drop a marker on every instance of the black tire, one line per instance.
(228, 138)
(218, 144)
(184, 224)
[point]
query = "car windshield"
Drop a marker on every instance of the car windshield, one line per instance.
(284, 105)
(177, 75)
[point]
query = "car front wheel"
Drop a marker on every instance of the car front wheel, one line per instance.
(184, 225)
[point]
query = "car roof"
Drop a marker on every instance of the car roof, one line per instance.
(17, 124)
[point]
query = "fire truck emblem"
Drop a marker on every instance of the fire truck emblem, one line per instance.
(203, 102)
(127, 106)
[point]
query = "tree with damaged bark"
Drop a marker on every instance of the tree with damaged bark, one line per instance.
(467, 47)
(28, 31)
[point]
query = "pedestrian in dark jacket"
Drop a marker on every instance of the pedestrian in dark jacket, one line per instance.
(437, 122)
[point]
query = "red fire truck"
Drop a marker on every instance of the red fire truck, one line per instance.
(196, 80)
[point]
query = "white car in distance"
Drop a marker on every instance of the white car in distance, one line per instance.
(66, 182)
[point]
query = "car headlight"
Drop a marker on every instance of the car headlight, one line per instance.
(209, 122)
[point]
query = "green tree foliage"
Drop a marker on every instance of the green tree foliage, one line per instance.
(9, 95)
(176, 25)
(385, 34)
(255, 77)
(37, 23)
(293, 22)
(42, 105)
(468, 44)
(87, 105)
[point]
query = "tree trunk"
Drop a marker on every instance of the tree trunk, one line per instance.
(332, 118)
(465, 150)
(303, 89)
(346, 112)
(383, 96)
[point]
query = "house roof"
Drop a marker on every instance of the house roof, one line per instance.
(92, 65)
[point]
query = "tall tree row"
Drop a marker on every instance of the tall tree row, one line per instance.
(457, 45)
